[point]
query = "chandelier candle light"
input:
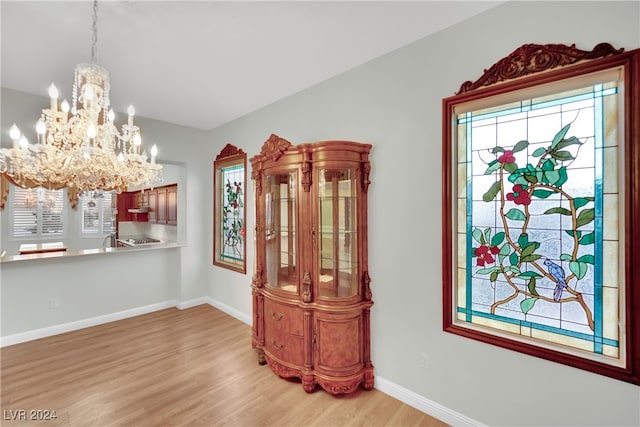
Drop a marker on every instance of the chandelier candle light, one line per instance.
(78, 145)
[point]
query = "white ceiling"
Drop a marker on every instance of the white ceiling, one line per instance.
(204, 63)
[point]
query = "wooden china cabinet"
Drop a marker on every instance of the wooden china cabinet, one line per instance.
(311, 295)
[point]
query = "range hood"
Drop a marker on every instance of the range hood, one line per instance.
(141, 209)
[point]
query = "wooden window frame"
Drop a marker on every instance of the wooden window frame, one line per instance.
(230, 156)
(529, 68)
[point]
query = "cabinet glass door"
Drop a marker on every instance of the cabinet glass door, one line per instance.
(337, 229)
(281, 227)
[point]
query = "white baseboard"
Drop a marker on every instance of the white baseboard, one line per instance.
(230, 311)
(183, 305)
(423, 404)
(84, 323)
(111, 317)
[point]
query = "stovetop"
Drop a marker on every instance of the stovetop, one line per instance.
(142, 240)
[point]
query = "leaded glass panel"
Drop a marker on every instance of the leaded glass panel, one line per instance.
(538, 212)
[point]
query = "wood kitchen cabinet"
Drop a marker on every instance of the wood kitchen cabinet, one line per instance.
(152, 199)
(172, 205)
(131, 200)
(163, 205)
(310, 289)
(161, 212)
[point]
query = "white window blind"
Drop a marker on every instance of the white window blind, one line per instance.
(38, 213)
(97, 213)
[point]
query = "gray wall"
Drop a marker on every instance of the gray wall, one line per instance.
(394, 103)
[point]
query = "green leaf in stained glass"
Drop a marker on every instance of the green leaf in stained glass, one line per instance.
(560, 136)
(578, 268)
(552, 176)
(579, 202)
(521, 145)
(492, 192)
(588, 239)
(567, 142)
(504, 251)
(574, 233)
(585, 217)
(529, 249)
(477, 236)
(530, 258)
(558, 210)
(563, 177)
(566, 257)
(547, 165)
(523, 240)
(497, 149)
(487, 234)
(529, 274)
(488, 270)
(513, 258)
(563, 155)
(510, 167)
(516, 215)
(539, 152)
(527, 304)
(532, 286)
(542, 194)
(493, 166)
(589, 259)
(522, 180)
(494, 276)
(497, 238)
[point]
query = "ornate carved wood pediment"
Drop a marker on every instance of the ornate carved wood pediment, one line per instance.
(534, 58)
(274, 147)
(229, 150)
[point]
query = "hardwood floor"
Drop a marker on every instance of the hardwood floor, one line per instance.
(172, 368)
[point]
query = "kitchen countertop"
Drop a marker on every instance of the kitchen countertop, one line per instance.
(85, 252)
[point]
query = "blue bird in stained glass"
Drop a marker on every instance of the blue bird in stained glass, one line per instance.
(558, 273)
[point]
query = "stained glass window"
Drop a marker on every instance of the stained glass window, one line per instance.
(229, 242)
(232, 201)
(538, 210)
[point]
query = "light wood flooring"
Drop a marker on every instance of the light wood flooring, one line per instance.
(173, 368)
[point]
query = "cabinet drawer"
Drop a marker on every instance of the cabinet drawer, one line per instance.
(285, 318)
(286, 347)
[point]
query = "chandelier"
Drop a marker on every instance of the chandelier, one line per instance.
(78, 145)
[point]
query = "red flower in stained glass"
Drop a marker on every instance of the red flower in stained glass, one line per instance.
(507, 157)
(520, 196)
(485, 254)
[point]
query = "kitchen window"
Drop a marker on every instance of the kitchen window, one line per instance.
(98, 216)
(38, 213)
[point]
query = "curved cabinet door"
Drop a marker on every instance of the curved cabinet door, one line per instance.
(281, 225)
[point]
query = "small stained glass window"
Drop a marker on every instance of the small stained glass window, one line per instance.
(229, 209)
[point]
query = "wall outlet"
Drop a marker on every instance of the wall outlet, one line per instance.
(424, 360)
(54, 303)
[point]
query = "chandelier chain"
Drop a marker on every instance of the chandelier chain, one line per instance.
(94, 38)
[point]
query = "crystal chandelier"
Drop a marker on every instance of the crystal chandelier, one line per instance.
(78, 145)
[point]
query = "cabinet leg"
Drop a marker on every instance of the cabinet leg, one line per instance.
(261, 359)
(308, 383)
(367, 383)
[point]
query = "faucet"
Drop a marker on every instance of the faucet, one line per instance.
(111, 239)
